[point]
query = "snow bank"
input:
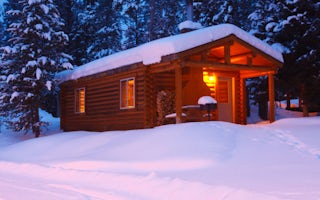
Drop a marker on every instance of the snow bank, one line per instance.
(153, 51)
(7, 137)
(206, 160)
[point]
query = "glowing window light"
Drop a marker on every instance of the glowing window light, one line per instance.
(82, 101)
(127, 96)
(80, 96)
(210, 80)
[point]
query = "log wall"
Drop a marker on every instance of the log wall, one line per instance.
(103, 102)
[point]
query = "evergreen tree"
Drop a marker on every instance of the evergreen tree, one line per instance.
(264, 16)
(7, 19)
(95, 32)
(225, 14)
(167, 15)
(2, 27)
(2, 33)
(132, 21)
(213, 12)
(107, 39)
(29, 63)
(258, 19)
(66, 11)
(299, 31)
(82, 31)
(204, 12)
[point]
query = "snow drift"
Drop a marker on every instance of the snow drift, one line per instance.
(207, 160)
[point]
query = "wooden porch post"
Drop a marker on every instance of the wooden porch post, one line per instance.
(227, 57)
(271, 97)
(178, 88)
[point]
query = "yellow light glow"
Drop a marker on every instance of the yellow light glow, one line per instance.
(210, 79)
(82, 101)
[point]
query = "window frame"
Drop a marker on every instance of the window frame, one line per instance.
(77, 99)
(126, 81)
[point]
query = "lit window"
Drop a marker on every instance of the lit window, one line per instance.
(127, 94)
(80, 96)
(210, 80)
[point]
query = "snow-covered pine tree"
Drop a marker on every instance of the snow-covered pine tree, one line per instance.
(30, 61)
(204, 11)
(213, 12)
(65, 8)
(243, 8)
(7, 19)
(299, 31)
(132, 18)
(82, 31)
(264, 13)
(2, 33)
(107, 39)
(225, 14)
(165, 18)
(259, 18)
(95, 31)
(1, 23)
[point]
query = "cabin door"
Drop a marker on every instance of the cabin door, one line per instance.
(225, 99)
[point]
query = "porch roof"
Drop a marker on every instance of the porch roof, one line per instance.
(155, 51)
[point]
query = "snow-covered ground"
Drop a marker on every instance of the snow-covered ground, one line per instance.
(207, 160)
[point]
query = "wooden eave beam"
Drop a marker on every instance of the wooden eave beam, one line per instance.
(196, 50)
(247, 55)
(163, 67)
(258, 51)
(253, 74)
(230, 67)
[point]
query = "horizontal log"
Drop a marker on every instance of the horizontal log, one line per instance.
(227, 67)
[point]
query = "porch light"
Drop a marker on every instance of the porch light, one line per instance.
(210, 80)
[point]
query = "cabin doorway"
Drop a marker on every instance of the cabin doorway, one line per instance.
(225, 96)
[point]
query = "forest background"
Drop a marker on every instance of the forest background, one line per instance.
(96, 28)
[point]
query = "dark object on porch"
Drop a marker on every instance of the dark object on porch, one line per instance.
(209, 107)
(207, 103)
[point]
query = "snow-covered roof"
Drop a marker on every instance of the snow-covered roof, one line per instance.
(152, 52)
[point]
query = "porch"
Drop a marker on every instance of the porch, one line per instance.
(218, 69)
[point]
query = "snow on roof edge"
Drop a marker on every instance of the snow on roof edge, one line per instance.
(152, 52)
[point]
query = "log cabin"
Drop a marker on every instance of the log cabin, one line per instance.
(161, 81)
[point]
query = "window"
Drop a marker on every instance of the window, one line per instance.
(80, 97)
(127, 93)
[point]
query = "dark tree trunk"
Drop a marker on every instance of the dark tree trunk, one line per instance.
(263, 109)
(36, 122)
(288, 97)
(69, 18)
(305, 102)
(305, 110)
(190, 10)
